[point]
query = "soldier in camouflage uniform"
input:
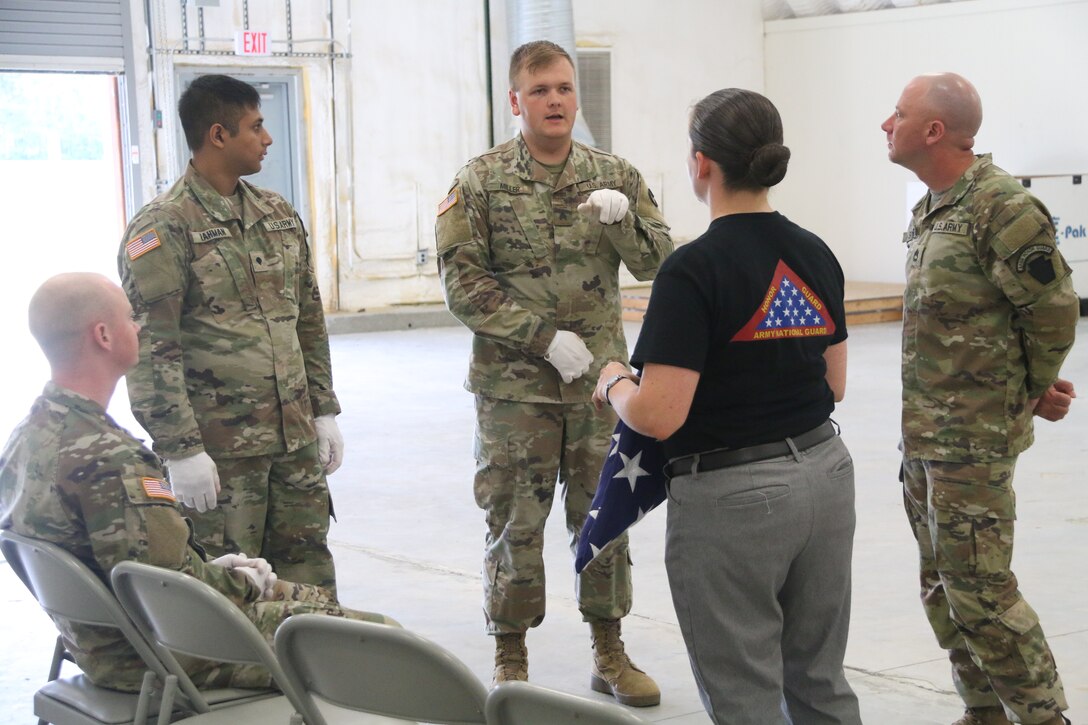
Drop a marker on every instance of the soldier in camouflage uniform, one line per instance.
(69, 475)
(989, 316)
(234, 382)
(530, 239)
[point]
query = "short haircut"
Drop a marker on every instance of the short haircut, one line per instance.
(64, 307)
(533, 56)
(213, 99)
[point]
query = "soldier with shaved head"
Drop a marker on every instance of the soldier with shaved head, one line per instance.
(989, 315)
(71, 476)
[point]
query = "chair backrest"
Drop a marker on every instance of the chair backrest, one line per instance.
(521, 703)
(179, 613)
(379, 669)
(65, 587)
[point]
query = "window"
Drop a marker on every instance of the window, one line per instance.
(595, 94)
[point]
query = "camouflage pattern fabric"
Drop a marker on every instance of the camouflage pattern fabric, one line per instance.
(962, 515)
(234, 355)
(989, 314)
(278, 505)
(517, 447)
(519, 262)
(234, 359)
(70, 476)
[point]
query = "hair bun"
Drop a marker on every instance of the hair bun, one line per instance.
(768, 164)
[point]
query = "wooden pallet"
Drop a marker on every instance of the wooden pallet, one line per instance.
(866, 302)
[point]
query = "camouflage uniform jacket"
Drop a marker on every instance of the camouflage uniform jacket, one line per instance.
(234, 354)
(71, 476)
(989, 316)
(519, 262)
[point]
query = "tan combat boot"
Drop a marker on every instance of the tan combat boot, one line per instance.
(614, 673)
(983, 716)
(511, 658)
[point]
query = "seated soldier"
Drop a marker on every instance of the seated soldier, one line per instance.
(71, 476)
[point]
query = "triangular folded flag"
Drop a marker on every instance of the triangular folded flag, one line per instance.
(632, 483)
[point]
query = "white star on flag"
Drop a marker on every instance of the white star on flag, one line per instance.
(631, 469)
(619, 502)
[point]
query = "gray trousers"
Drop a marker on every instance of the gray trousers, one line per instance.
(758, 558)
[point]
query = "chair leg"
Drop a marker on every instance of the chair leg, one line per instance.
(59, 655)
(143, 702)
(169, 692)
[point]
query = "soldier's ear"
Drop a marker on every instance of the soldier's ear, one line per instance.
(217, 135)
(935, 131)
(100, 335)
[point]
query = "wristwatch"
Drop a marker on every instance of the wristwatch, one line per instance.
(612, 382)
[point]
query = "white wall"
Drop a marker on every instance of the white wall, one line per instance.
(835, 79)
(385, 129)
(418, 112)
(665, 57)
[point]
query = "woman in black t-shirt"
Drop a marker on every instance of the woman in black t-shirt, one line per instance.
(743, 356)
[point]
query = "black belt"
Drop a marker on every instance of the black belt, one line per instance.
(725, 458)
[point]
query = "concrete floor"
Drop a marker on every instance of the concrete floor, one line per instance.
(408, 539)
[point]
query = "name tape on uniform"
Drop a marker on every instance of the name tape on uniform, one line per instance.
(209, 235)
(278, 225)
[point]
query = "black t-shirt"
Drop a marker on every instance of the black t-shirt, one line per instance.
(751, 305)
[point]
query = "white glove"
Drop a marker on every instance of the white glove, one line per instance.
(195, 481)
(611, 204)
(330, 444)
(569, 355)
(256, 569)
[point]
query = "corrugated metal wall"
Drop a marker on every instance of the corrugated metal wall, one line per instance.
(68, 28)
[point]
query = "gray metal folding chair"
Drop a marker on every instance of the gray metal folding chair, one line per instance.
(373, 668)
(65, 587)
(521, 703)
(178, 613)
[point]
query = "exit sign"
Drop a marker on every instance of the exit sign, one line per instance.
(251, 42)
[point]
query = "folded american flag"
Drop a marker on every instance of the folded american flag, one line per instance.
(632, 483)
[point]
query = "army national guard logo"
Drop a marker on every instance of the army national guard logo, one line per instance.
(789, 309)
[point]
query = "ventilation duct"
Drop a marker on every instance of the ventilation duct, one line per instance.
(552, 20)
(779, 9)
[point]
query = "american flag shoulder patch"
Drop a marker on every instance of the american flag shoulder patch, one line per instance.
(142, 244)
(448, 203)
(157, 488)
(790, 308)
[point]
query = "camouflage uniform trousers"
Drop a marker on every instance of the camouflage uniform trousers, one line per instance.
(290, 598)
(276, 507)
(962, 515)
(522, 451)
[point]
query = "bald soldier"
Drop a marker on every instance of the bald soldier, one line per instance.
(234, 382)
(530, 241)
(989, 315)
(71, 476)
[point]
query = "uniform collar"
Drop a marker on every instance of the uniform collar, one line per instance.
(579, 167)
(71, 399)
(218, 206)
(957, 191)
